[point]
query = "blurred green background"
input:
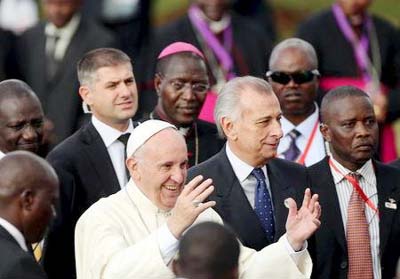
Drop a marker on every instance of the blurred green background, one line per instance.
(288, 13)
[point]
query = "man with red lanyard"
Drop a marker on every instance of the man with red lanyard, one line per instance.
(294, 78)
(360, 232)
(359, 49)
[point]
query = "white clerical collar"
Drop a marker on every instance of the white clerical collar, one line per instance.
(217, 26)
(2, 154)
(241, 169)
(305, 128)
(15, 233)
(107, 133)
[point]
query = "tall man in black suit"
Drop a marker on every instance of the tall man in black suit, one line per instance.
(28, 192)
(350, 183)
(91, 162)
(181, 82)
(47, 55)
(247, 178)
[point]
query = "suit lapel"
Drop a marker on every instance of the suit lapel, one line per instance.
(386, 190)
(100, 159)
(329, 201)
(235, 205)
(279, 192)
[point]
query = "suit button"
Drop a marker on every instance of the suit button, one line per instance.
(343, 265)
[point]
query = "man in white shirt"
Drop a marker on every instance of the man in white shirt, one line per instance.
(135, 232)
(294, 78)
(360, 235)
(90, 163)
(28, 192)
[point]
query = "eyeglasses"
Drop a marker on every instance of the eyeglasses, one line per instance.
(298, 77)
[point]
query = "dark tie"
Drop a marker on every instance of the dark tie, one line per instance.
(124, 139)
(293, 151)
(51, 62)
(263, 205)
(358, 240)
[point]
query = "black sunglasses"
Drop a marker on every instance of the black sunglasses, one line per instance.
(298, 77)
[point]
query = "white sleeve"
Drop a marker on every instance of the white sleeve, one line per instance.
(168, 244)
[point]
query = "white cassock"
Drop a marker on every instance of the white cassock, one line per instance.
(117, 238)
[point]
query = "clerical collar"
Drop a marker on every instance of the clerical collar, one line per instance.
(217, 26)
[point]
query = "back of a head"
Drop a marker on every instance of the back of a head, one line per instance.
(208, 250)
(98, 58)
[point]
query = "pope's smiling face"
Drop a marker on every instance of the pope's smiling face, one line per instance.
(159, 168)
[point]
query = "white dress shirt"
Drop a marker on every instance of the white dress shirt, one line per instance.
(317, 149)
(115, 148)
(15, 233)
(65, 35)
(368, 184)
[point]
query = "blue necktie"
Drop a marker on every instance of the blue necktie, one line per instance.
(293, 151)
(263, 205)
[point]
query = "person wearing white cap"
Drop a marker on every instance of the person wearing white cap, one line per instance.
(135, 232)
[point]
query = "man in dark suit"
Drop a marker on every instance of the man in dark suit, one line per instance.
(247, 178)
(90, 163)
(182, 83)
(28, 192)
(360, 232)
(47, 55)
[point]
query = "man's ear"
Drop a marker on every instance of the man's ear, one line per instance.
(84, 92)
(157, 83)
(132, 166)
(26, 198)
(229, 128)
(325, 131)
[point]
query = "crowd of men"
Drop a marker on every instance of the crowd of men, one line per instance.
(217, 155)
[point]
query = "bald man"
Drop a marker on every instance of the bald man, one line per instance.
(21, 118)
(28, 191)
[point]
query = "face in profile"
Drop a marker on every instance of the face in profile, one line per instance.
(21, 124)
(112, 96)
(296, 97)
(351, 130)
(159, 168)
(183, 88)
(254, 136)
(39, 208)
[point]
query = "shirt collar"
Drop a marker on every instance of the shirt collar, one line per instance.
(2, 154)
(241, 169)
(305, 128)
(107, 133)
(66, 31)
(16, 234)
(365, 171)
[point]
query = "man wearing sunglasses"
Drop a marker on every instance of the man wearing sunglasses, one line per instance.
(294, 78)
(181, 82)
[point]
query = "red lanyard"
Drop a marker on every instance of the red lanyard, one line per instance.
(303, 156)
(356, 186)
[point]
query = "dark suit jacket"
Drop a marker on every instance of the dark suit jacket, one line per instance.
(250, 52)
(287, 179)
(396, 163)
(86, 174)
(16, 263)
(59, 96)
(330, 258)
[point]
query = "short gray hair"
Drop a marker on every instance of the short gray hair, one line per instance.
(294, 43)
(228, 101)
(98, 58)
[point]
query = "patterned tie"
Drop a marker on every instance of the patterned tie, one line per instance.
(263, 205)
(358, 241)
(293, 151)
(124, 139)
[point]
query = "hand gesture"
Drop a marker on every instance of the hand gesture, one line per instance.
(302, 223)
(190, 204)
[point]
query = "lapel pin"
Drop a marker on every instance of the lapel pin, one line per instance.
(391, 204)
